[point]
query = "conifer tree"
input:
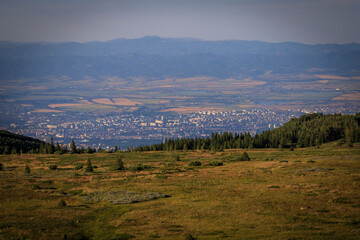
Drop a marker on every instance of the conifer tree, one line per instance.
(27, 169)
(119, 164)
(89, 167)
(73, 148)
(52, 146)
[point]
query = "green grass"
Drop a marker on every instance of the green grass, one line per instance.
(256, 199)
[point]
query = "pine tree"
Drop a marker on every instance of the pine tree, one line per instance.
(27, 169)
(89, 167)
(245, 157)
(73, 148)
(119, 164)
(52, 146)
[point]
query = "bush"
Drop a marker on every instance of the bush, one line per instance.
(78, 166)
(216, 163)
(189, 237)
(123, 236)
(119, 164)
(195, 163)
(1, 166)
(89, 167)
(62, 203)
(140, 167)
(177, 158)
(27, 169)
(53, 167)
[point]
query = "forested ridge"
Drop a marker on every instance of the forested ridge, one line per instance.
(306, 131)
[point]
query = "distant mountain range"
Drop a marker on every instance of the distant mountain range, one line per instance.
(159, 57)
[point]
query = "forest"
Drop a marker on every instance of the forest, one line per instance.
(308, 130)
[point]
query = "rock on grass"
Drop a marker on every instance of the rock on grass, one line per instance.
(122, 197)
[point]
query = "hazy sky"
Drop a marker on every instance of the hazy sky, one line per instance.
(307, 21)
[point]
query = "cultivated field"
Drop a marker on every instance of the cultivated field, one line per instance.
(308, 193)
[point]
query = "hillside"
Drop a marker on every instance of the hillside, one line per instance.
(308, 130)
(15, 143)
(308, 193)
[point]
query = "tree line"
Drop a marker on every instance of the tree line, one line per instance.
(306, 131)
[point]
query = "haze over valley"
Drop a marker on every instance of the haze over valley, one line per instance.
(129, 92)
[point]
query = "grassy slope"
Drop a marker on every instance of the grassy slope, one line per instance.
(259, 199)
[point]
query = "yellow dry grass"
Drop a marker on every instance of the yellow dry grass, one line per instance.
(125, 102)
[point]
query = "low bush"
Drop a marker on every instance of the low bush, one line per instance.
(62, 203)
(216, 163)
(140, 167)
(53, 167)
(78, 166)
(1, 166)
(195, 163)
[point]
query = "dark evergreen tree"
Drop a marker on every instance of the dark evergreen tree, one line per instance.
(73, 148)
(89, 167)
(27, 169)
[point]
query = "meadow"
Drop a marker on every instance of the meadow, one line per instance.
(308, 193)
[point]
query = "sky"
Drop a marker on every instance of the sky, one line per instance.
(305, 21)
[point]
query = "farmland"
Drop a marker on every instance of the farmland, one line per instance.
(309, 193)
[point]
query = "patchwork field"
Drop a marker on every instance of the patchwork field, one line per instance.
(308, 193)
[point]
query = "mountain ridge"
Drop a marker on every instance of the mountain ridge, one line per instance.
(159, 57)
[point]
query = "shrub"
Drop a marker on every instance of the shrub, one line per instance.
(27, 169)
(119, 164)
(53, 167)
(195, 163)
(89, 167)
(216, 163)
(189, 237)
(140, 167)
(78, 166)
(177, 158)
(62, 203)
(1, 166)
(123, 236)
